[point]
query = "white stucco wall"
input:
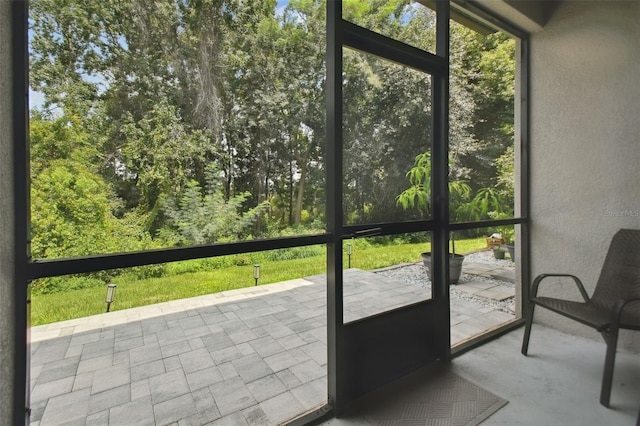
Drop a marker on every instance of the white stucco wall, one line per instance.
(584, 142)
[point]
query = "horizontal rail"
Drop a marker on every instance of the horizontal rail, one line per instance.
(42, 268)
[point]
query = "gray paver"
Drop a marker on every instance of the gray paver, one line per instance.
(255, 361)
(84, 380)
(266, 387)
(232, 395)
(140, 389)
(251, 367)
(53, 388)
(312, 394)
(122, 345)
(234, 419)
(168, 386)
(281, 408)
(497, 293)
(308, 371)
(174, 409)
(110, 398)
(266, 345)
(96, 349)
(255, 416)
(109, 378)
(67, 408)
(172, 363)
(135, 413)
(144, 371)
(55, 350)
(203, 378)
(67, 367)
(196, 360)
(93, 364)
(281, 361)
(145, 354)
(175, 348)
(98, 419)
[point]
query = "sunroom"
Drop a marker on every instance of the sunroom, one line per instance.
(379, 111)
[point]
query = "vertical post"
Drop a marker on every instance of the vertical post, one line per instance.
(334, 176)
(349, 251)
(14, 214)
(439, 181)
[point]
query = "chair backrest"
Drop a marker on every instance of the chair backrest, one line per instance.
(620, 275)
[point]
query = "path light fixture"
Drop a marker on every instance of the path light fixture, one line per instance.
(349, 251)
(256, 273)
(111, 295)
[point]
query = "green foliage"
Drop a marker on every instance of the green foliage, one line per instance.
(72, 207)
(141, 97)
(162, 152)
(294, 253)
(418, 194)
(204, 216)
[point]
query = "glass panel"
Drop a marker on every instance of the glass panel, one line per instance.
(225, 333)
(407, 21)
(68, 297)
(487, 294)
(385, 273)
(386, 131)
(160, 125)
(482, 154)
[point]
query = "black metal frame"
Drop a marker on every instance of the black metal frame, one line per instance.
(339, 33)
(20, 88)
(370, 352)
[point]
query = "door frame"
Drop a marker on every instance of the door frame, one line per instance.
(371, 352)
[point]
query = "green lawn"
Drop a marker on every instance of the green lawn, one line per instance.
(180, 283)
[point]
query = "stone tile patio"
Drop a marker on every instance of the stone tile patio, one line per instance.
(250, 356)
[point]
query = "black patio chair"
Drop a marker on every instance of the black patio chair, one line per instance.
(615, 303)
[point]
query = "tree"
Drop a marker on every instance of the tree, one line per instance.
(205, 217)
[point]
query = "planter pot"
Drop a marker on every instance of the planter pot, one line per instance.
(455, 266)
(498, 254)
(512, 252)
(493, 242)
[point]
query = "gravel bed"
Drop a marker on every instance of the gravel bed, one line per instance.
(417, 274)
(486, 256)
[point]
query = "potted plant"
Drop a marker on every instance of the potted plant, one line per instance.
(498, 253)
(418, 195)
(509, 244)
(507, 233)
(455, 266)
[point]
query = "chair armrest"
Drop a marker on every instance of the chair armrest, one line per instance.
(539, 278)
(616, 311)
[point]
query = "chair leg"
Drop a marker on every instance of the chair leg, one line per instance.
(609, 361)
(527, 329)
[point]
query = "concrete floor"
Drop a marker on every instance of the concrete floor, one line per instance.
(557, 384)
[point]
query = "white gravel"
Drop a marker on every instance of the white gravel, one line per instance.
(418, 275)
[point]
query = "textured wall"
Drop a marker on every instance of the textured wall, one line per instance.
(7, 252)
(585, 141)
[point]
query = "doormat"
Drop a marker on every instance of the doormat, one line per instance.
(439, 398)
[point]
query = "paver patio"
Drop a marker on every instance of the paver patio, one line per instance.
(250, 356)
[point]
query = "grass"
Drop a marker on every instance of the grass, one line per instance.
(187, 279)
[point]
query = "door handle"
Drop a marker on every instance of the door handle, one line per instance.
(367, 232)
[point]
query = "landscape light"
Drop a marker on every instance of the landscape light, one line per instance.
(256, 273)
(111, 295)
(349, 251)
